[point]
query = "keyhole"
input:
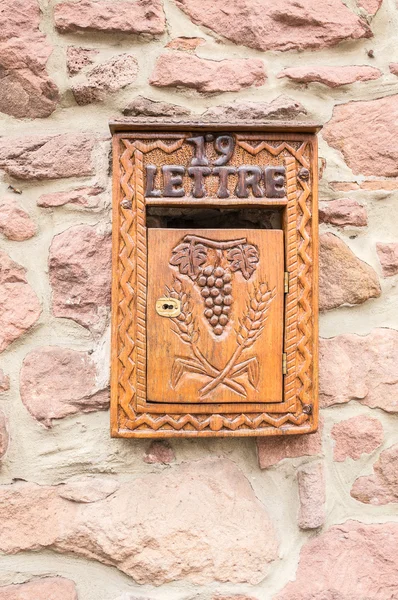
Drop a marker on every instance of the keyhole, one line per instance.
(167, 307)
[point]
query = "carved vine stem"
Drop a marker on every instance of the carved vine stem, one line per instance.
(214, 243)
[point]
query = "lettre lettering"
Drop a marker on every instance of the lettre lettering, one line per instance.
(172, 181)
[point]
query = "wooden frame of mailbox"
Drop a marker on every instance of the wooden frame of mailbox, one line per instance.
(131, 415)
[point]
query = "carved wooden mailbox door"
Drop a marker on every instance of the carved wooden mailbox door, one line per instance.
(214, 280)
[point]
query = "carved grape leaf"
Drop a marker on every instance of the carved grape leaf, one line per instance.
(188, 258)
(243, 258)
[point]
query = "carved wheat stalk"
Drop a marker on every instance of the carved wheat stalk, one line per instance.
(187, 330)
(250, 329)
(185, 322)
(252, 324)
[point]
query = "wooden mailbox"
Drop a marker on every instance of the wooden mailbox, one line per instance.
(214, 325)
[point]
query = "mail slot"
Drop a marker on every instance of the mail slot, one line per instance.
(214, 324)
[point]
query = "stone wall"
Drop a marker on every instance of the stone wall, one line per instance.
(86, 517)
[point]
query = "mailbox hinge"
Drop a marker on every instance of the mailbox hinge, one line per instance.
(286, 282)
(284, 364)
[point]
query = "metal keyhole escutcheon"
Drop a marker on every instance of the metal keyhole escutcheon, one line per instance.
(168, 307)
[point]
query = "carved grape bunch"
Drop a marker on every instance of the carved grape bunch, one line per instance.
(210, 265)
(216, 284)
